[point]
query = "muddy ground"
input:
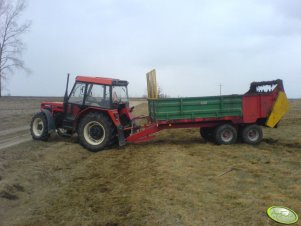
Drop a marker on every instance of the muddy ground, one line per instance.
(176, 179)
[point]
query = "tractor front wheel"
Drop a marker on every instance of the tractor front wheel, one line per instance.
(96, 131)
(39, 127)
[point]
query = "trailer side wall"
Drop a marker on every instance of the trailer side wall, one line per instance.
(195, 107)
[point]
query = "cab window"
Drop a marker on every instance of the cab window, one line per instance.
(119, 94)
(98, 96)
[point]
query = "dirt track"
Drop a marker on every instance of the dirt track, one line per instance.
(14, 136)
(15, 116)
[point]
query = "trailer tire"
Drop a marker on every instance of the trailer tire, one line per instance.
(39, 127)
(225, 134)
(206, 133)
(252, 134)
(96, 131)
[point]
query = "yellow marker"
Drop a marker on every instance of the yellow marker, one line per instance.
(152, 87)
(280, 107)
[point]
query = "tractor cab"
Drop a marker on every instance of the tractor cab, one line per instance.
(99, 92)
(94, 94)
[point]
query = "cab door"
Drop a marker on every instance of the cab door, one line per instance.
(76, 100)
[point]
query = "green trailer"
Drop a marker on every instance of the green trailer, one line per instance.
(220, 118)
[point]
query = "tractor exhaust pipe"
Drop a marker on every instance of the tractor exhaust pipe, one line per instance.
(66, 95)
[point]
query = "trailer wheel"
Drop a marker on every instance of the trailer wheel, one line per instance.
(225, 134)
(39, 127)
(206, 133)
(96, 131)
(252, 134)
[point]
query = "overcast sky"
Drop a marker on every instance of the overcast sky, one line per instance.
(195, 45)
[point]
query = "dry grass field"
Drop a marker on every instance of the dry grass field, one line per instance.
(176, 179)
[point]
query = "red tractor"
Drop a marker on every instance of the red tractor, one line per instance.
(97, 109)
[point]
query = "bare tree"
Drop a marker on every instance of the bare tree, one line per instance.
(161, 93)
(11, 44)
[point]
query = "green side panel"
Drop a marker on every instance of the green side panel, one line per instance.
(195, 107)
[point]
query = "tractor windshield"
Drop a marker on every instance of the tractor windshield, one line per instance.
(77, 93)
(120, 94)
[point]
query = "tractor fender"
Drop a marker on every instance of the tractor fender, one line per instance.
(112, 114)
(50, 120)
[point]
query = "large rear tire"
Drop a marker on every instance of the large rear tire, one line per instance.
(252, 134)
(39, 127)
(96, 131)
(225, 134)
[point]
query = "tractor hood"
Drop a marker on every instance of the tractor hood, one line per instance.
(52, 105)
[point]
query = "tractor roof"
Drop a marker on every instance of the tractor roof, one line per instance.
(102, 81)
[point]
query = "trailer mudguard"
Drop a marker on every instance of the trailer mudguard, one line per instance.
(280, 107)
(50, 120)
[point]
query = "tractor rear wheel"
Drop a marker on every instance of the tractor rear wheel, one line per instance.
(96, 131)
(252, 134)
(39, 127)
(225, 134)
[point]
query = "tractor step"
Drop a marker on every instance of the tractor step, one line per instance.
(68, 122)
(121, 138)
